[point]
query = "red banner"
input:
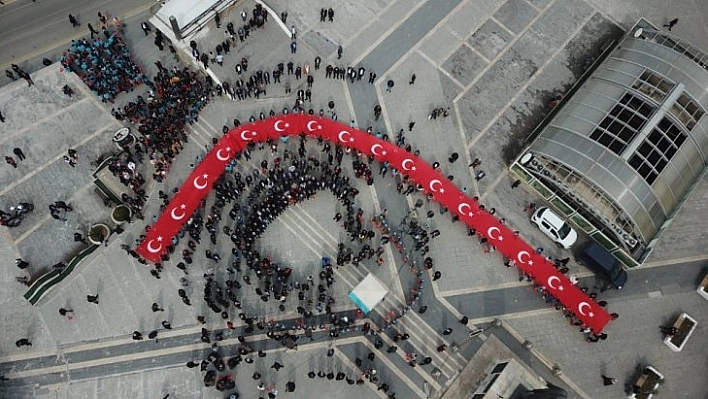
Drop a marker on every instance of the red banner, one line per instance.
(200, 181)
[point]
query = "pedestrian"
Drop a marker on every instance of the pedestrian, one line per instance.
(480, 175)
(92, 30)
(290, 386)
(412, 79)
(389, 85)
(79, 238)
(410, 126)
(447, 331)
(339, 52)
(157, 308)
(671, 24)
(293, 47)
(277, 366)
(68, 313)
(146, 28)
(11, 161)
(391, 349)
(330, 15)
(422, 309)
(608, 380)
(441, 348)
(464, 320)
(192, 364)
(515, 184)
(293, 33)
(166, 324)
(153, 335)
(137, 336)
(437, 275)
(284, 16)
(92, 298)
(23, 342)
(74, 22)
(453, 157)
(21, 263)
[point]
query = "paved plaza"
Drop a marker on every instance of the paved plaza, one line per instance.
(492, 65)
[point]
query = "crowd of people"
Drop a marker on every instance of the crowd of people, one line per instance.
(175, 99)
(104, 64)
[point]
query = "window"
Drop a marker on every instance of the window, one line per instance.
(623, 123)
(686, 111)
(499, 368)
(657, 149)
(653, 85)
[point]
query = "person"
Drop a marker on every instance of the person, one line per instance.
(422, 309)
(64, 312)
(146, 28)
(11, 161)
(157, 308)
(464, 320)
(671, 24)
(21, 263)
(166, 324)
(447, 331)
(23, 342)
(389, 86)
(441, 348)
(79, 238)
(437, 275)
(606, 381)
(18, 151)
(92, 298)
(137, 336)
(412, 79)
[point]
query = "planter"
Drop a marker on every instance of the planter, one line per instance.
(647, 383)
(685, 325)
(703, 288)
(121, 214)
(99, 233)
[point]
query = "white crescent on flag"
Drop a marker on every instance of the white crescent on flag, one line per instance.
(342, 134)
(309, 126)
(275, 126)
(175, 216)
(464, 205)
(199, 186)
(221, 157)
(248, 137)
(581, 306)
(374, 149)
(493, 229)
(521, 257)
(406, 161)
(550, 283)
(434, 183)
(151, 248)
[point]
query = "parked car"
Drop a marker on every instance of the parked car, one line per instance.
(554, 227)
(596, 258)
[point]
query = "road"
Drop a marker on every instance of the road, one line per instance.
(26, 43)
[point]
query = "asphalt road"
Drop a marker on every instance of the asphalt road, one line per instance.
(25, 39)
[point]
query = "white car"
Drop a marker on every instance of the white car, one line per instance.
(554, 227)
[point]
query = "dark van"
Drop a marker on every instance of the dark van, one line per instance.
(596, 258)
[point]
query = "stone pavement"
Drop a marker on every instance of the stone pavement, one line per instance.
(491, 63)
